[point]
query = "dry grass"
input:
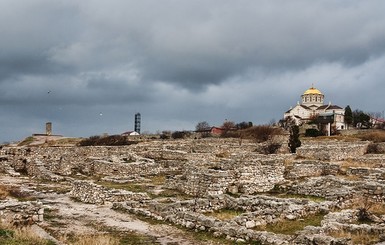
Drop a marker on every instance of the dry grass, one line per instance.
(10, 235)
(27, 141)
(14, 191)
(377, 208)
(351, 163)
(224, 154)
(158, 180)
(344, 138)
(3, 192)
(261, 133)
(171, 193)
(95, 239)
(357, 237)
(65, 141)
(377, 136)
(290, 227)
(123, 186)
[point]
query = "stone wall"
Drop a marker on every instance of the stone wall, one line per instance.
(237, 174)
(310, 168)
(332, 151)
(338, 189)
(372, 160)
(21, 213)
(255, 211)
(88, 192)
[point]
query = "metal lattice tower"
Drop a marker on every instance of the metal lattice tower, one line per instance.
(137, 123)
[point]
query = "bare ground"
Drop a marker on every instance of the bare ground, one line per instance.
(66, 218)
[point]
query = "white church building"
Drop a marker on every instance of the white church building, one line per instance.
(312, 106)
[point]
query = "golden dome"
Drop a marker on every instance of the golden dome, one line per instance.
(312, 90)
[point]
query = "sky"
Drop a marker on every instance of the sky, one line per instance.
(88, 66)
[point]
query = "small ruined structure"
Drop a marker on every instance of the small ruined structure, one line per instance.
(48, 128)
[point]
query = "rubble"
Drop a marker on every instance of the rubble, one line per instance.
(213, 175)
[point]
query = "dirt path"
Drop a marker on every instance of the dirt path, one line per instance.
(80, 218)
(65, 217)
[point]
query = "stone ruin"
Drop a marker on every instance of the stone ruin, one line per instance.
(211, 175)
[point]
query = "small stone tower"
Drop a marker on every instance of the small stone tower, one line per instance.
(48, 128)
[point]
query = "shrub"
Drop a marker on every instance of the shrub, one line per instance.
(294, 141)
(113, 140)
(165, 135)
(271, 148)
(363, 214)
(180, 134)
(374, 149)
(230, 134)
(261, 133)
(312, 132)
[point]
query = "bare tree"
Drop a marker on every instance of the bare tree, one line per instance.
(202, 126)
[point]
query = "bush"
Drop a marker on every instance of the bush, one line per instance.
(113, 140)
(261, 133)
(374, 149)
(271, 148)
(312, 132)
(180, 134)
(230, 134)
(165, 135)
(294, 140)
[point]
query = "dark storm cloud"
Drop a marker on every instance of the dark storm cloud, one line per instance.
(179, 62)
(212, 43)
(29, 30)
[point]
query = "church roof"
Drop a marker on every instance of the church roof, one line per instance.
(329, 107)
(303, 106)
(312, 90)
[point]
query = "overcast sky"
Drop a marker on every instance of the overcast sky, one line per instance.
(88, 66)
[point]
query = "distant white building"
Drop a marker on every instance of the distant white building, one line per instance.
(130, 133)
(312, 106)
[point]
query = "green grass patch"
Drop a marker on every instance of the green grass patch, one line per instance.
(56, 188)
(26, 141)
(277, 192)
(173, 194)
(123, 186)
(225, 214)
(290, 227)
(299, 196)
